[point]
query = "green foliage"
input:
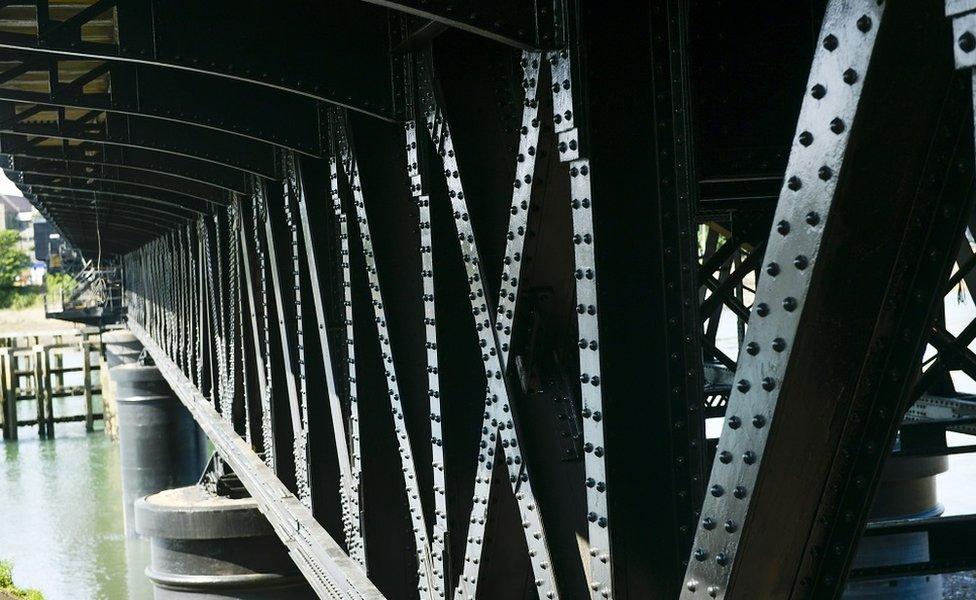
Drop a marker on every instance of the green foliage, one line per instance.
(7, 584)
(59, 281)
(13, 261)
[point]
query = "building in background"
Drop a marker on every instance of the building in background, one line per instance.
(18, 215)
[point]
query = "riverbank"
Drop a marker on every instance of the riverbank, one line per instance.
(9, 591)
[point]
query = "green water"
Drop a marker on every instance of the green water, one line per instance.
(61, 514)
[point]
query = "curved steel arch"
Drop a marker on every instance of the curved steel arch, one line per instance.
(164, 93)
(300, 47)
(104, 186)
(130, 158)
(111, 217)
(67, 197)
(35, 189)
(145, 133)
(109, 173)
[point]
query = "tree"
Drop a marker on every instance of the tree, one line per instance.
(13, 261)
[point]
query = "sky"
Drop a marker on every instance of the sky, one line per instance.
(7, 187)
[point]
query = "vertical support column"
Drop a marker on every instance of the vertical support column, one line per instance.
(863, 237)
(161, 445)
(118, 347)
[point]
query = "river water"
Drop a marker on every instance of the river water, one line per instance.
(61, 513)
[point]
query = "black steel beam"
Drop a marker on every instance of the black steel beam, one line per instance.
(299, 47)
(839, 322)
(535, 24)
(44, 181)
(257, 112)
(129, 158)
(111, 173)
(67, 189)
(149, 134)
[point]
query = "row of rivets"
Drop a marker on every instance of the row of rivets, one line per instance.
(818, 150)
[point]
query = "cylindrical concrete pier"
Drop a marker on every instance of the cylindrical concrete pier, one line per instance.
(119, 347)
(206, 547)
(908, 491)
(161, 445)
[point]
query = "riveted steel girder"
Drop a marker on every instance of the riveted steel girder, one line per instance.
(334, 51)
(528, 25)
(140, 132)
(117, 187)
(130, 158)
(257, 112)
(110, 173)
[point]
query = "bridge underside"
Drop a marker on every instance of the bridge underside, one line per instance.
(455, 287)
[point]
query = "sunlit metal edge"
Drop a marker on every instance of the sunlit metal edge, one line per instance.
(328, 569)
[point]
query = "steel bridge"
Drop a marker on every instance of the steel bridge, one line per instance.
(444, 281)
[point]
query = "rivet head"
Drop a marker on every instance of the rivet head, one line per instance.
(806, 138)
(768, 383)
(779, 344)
(717, 490)
(752, 348)
(730, 526)
(794, 183)
(830, 42)
(818, 91)
(837, 125)
(701, 554)
(722, 559)
(762, 309)
(967, 42)
(758, 421)
(812, 218)
(749, 457)
(708, 523)
(772, 269)
(783, 227)
(743, 386)
(725, 457)
(801, 262)
(850, 76)
(734, 422)
(825, 173)
(739, 492)
(864, 24)
(789, 304)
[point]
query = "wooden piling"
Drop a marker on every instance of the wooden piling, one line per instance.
(48, 391)
(11, 380)
(4, 411)
(86, 374)
(37, 358)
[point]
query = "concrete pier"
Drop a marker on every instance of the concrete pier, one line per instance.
(119, 347)
(908, 491)
(161, 445)
(209, 547)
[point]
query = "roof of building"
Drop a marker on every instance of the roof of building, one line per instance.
(15, 203)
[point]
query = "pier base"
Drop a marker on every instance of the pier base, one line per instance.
(210, 547)
(161, 445)
(119, 347)
(908, 491)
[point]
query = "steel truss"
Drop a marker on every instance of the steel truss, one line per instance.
(449, 284)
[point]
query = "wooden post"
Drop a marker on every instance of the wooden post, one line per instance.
(48, 391)
(57, 357)
(10, 378)
(37, 356)
(4, 411)
(86, 375)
